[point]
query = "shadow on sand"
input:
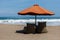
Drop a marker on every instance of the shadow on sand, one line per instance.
(23, 32)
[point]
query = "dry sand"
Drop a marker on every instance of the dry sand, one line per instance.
(8, 32)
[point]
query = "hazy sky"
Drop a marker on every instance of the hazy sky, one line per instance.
(12, 7)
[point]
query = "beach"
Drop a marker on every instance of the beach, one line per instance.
(8, 32)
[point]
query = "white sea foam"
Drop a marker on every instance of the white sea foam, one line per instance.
(52, 22)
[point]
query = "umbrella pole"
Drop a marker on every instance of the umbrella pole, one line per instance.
(35, 20)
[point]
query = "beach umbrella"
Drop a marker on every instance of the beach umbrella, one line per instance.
(35, 10)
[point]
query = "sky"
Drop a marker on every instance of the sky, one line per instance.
(12, 7)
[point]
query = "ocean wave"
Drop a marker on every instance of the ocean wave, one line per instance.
(24, 21)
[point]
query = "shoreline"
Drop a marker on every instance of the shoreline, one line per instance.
(8, 32)
(25, 25)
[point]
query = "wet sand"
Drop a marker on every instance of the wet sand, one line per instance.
(8, 32)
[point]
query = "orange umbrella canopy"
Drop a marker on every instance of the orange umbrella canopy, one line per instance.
(35, 10)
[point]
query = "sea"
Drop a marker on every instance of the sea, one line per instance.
(50, 21)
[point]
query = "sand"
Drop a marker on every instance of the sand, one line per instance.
(8, 32)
